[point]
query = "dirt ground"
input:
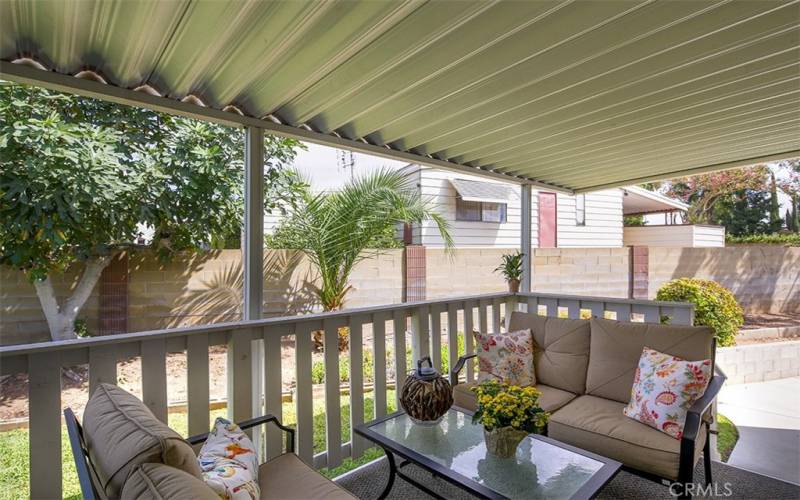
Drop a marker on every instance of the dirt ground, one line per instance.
(75, 382)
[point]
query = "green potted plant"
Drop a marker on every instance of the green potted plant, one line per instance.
(508, 413)
(511, 269)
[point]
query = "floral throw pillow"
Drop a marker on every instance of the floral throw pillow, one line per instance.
(664, 387)
(507, 357)
(229, 462)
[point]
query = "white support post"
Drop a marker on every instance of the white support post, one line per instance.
(253, 223)
(253, 249)
(525, 240)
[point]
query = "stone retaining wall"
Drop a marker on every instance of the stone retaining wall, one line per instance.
(760, 362)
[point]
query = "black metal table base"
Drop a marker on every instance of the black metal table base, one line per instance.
(394, 470)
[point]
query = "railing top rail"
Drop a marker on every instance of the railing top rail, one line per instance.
(15, 350)
(613, 300)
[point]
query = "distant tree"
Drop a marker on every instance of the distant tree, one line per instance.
(743, 212)
(633, 220)
(705, 191)
(80, 176)
(775, 221)
(790, 184)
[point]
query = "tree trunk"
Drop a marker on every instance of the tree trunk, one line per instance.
(61, 318)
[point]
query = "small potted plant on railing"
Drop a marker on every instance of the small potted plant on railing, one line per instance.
(508, 413)
(511, 269)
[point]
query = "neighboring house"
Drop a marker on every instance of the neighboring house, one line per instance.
(486, 213)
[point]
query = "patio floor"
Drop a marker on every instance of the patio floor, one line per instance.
(368, 481)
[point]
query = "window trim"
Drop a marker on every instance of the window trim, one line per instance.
(581, 222)
(482, 204)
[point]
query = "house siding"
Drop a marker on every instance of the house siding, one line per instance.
(675, 236)
(603, 218)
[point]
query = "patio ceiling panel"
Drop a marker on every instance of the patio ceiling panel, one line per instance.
(570, 95)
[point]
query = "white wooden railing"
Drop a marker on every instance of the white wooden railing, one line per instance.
(253, 390)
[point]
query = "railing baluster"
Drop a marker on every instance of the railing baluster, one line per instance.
(333, 411)
(44, 409)
(573, 308)
(533, 305)
(197, 378)
(240, 375)
(303, 391)
(512, 304)
(436, 337)
(379, 363)
(650, 313)
(623, 310)
(357, 445)
(400, 368)
(273, 385)
(469, 340)
(551, 305)
(452, 335)
(154, 377)
(102, 366)
(420, 334)
(483, 317)
(496, 315)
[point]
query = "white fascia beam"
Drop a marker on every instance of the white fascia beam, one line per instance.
(65, 83)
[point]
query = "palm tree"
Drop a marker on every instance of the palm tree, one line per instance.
(337, 230)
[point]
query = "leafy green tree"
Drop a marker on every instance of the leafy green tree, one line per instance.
(80, 178)
(743, 212)
(337, 229)
(775, 221)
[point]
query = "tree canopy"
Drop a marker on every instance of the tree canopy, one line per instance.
(79, 177)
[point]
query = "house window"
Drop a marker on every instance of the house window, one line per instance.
(478, 211)
(580, 210)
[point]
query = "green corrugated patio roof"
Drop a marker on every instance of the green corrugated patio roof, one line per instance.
(572, 95)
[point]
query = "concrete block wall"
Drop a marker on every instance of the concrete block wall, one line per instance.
(764, 278)
(467, 271)
(21, 318)
(582, 271)
(760, 362)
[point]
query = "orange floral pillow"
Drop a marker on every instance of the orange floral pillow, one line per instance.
(664, 388)
(507, 357)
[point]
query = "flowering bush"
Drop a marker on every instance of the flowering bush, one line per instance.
(714, 306)
(503, 405)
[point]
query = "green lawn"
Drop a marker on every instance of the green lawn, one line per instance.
(727, 437)
(14, 447)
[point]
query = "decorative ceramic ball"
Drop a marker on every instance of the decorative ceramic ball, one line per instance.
(426, 395)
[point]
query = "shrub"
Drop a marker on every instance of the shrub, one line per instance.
(786, 239)
(715, 305)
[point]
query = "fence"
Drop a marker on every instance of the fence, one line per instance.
(256, 387)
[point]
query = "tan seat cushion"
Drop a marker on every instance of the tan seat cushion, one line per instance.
(121, 433)
(617, 346)
(560, 350)
(551, 400)
(159, 481)
(287, 477)
(598, 425)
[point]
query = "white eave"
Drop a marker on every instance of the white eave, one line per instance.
(636, 201)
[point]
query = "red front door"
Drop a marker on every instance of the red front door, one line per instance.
(547, 220)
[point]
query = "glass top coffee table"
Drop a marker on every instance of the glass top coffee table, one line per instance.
(454, 450)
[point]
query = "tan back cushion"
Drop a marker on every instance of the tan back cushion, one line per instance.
(560, 349)
(121, 433)
(159, 481)
(617, 346)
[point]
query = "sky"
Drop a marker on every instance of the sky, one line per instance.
(323, 167)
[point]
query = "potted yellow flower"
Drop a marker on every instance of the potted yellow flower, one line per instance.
(508, 413)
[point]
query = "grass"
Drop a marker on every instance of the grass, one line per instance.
(726, 437)
(14, 478)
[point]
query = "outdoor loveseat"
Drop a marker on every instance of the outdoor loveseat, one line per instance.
(123, 451)
(585, 370)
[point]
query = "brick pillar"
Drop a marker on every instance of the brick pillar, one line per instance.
(639, 274)
(414, 273)
(114, 296)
